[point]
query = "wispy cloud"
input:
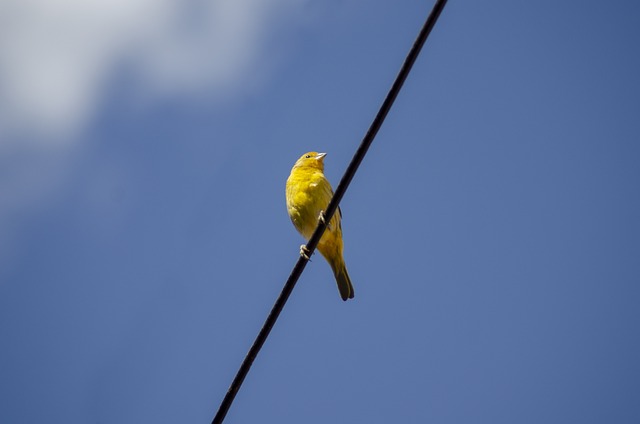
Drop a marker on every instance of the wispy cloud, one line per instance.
(57, 55)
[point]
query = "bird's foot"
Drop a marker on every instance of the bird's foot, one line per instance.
(321, 218)
(304, 252)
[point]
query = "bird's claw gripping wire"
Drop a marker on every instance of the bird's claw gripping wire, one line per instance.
(321, 218)
(304, 252)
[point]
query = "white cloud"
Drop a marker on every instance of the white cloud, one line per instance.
(57, 58)
(57, 55)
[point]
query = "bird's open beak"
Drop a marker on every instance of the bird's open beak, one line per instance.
(321, 155)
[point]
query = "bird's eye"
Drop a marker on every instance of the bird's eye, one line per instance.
(308, 157)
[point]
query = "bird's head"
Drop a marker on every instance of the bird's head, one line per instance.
(311, 160)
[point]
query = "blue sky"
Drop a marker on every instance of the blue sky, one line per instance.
(491, 233)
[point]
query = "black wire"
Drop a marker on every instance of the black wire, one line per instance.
(331, 209)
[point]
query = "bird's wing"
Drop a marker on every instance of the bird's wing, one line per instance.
(328, 194)
(338, 215)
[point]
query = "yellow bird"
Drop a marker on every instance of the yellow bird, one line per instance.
(308, 195)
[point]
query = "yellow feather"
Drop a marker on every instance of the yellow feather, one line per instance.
(308, 193)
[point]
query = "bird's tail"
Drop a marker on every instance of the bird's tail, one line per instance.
(342, 278)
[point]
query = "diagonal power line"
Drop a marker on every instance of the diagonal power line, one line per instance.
(331, 209)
